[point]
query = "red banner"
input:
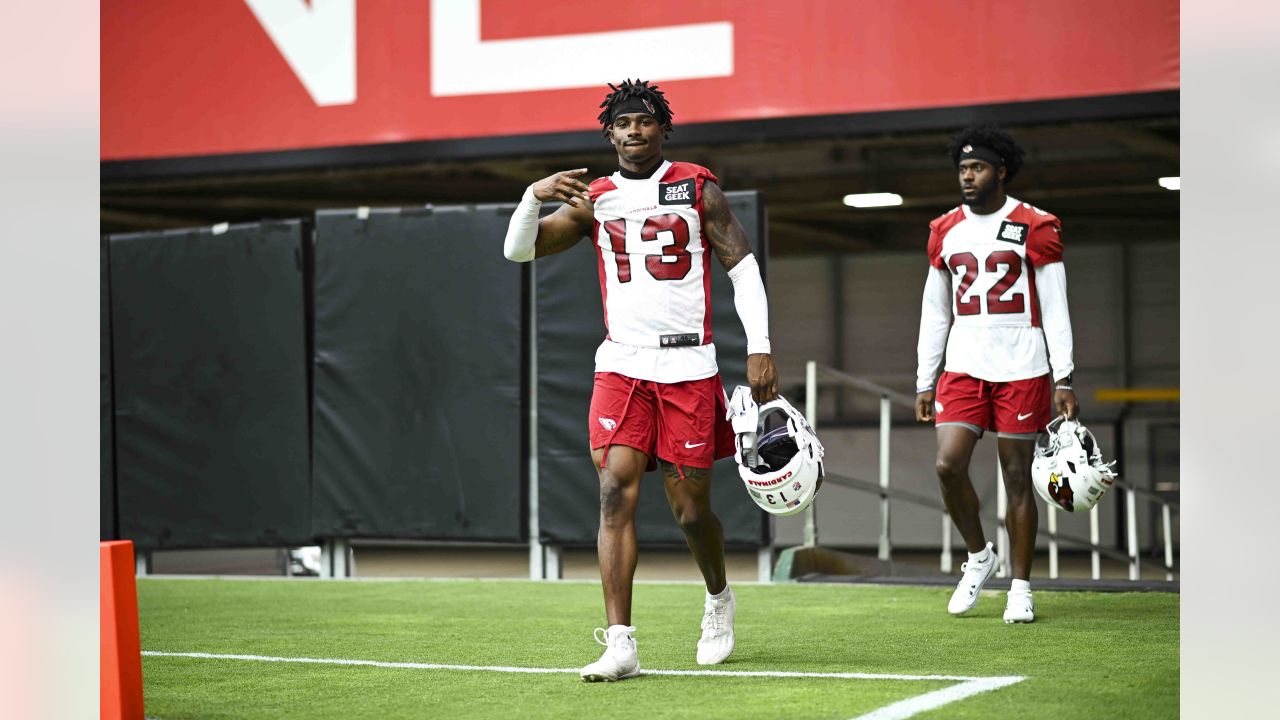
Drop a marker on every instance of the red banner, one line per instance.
(186, 78)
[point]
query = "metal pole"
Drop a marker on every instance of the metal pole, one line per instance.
(945, 564)
(1131, 520)
(811, 414)
(1002, 533)
(886, 410)
(537, 555)
(1168, 541)
(1095, 558)
(1053, 541)
(764, 564)
(336, 559)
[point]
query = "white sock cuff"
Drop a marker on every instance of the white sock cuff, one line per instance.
(1020, 587)
(981, 556)
(720, 595)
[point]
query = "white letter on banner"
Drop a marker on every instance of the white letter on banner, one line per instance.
(461, 64)
(318, 42)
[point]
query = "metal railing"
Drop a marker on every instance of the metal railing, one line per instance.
(816, 375)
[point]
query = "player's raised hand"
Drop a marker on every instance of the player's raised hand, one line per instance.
(924, 405)
(563, 186)
(763, 377)
(1065, 403)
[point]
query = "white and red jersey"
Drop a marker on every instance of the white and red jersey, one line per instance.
(655, 280)
(996, 292)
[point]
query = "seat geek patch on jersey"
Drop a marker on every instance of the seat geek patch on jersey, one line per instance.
(1013, 232)
(677, 193)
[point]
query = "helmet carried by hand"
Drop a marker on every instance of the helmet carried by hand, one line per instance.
(778, 455)
(1068, 471)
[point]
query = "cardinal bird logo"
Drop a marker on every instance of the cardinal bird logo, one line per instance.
(1060, 491)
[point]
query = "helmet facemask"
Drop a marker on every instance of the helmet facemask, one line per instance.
(779, 457)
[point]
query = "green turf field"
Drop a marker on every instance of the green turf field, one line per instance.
(1088, 655)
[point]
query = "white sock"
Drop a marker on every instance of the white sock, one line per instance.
(720, 595)
(1020, 587)
(981, 557)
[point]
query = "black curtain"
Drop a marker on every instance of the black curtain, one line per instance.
(419, 412)
(210, 386)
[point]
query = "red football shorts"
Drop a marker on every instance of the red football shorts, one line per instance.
(683, 423)
(1017, 407)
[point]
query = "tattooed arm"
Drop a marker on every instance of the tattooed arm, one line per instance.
(729, 241)
(722, 229)
(528, 237)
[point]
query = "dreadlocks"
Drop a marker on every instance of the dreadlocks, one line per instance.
(987, 135)
(635, 96)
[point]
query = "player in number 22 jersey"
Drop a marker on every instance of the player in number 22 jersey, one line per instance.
(995, 302)
(657, 395)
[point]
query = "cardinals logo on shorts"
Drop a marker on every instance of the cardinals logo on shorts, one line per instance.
(608, 424)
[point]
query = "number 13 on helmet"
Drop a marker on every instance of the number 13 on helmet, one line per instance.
(779, 457)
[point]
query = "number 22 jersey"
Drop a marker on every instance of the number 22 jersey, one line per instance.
(995, 295)
(655, 281)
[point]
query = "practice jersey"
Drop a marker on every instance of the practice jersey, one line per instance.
(996, 292)
(655, 281)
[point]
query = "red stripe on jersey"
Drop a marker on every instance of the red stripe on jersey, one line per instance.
(684, 170)
(1031, 288)
(706, 291)
(1044, 241)
(703, 175)
(938, 230)
(600, 186)
(604, 282)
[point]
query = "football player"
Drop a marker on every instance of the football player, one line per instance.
(994, 298)
(657, 398)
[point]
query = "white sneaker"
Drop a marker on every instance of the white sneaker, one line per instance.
(975, 576)
(716, 642)
(1020, 608)
(619, 661)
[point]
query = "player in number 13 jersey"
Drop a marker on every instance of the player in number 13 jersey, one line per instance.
(995, 302)
(657, 396)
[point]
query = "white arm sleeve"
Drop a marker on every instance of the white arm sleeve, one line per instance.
(522, 232)
(752, 304)
(1051, 286)
(935, 325)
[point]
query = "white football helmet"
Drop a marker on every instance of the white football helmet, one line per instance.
(1068, 471)
(778, 454)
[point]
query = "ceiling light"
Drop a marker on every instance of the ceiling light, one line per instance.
(1171, 183)
(872, 200)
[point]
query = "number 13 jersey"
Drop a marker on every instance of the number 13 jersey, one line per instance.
(655, 281)
(996, 292)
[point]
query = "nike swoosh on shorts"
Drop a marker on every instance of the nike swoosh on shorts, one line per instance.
(690, 447)
(1024, 417)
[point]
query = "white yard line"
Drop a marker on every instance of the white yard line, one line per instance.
(967, 686)
(936, 699)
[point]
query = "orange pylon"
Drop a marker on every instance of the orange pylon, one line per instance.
(121, 663)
